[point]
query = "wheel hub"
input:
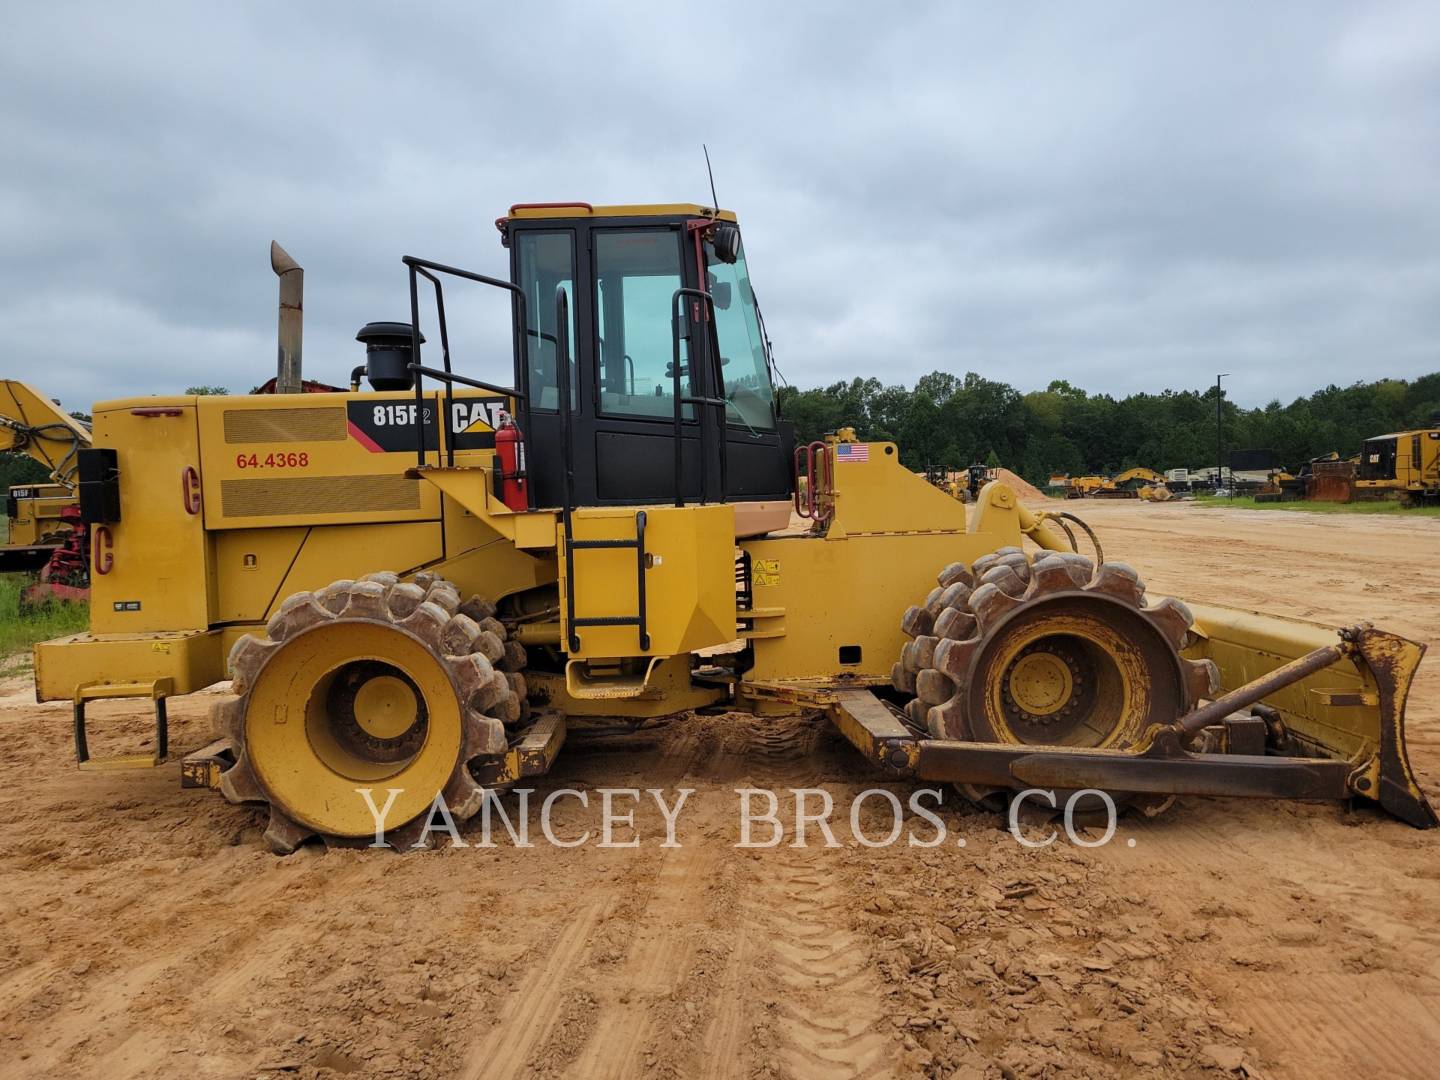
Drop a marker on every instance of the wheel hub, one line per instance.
(376, 711)
(1064, 680)
(1040, 682)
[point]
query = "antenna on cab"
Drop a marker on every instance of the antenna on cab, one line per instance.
(714, 199)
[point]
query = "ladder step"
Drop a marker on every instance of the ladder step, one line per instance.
(604, 543)
(156, 690)
(120, 761)
(606, 620)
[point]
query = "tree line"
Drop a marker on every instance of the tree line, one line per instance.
(952, 421)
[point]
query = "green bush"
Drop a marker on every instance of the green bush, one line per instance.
(20, 629)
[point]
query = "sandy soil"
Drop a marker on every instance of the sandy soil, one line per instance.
(147, 934)
(1022, 487)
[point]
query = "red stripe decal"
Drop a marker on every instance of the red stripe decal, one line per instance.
(363, 439)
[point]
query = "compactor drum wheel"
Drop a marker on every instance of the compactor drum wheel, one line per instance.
(372, 684)
(1054, 653)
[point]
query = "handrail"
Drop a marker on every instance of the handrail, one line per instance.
(567, 471)
(476, 383)
(551, 206)
(562, 375)
(802, 457)
(825, 477)
(520, 326)
(680, 401)
(816, 458)
(445, 355)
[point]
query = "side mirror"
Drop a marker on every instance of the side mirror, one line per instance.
(726, 243)
(720, 292)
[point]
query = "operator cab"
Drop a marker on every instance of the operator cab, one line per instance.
(615, 275)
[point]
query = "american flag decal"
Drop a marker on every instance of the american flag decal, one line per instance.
(858, 451)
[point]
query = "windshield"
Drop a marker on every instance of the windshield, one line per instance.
(749, 397)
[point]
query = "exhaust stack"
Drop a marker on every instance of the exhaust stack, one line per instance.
(292, 293)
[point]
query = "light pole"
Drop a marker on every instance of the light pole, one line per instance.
(1219, 433)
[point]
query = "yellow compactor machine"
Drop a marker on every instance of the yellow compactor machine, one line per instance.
(423, 585)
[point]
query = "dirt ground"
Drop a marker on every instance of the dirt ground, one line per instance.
(146, 933)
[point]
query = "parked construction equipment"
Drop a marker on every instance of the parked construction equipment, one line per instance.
(36, 515)
(1077, 487)
(945, 479)
(1159, 492)
(46, 531)
(963, 484)
(1124, 485)
(423, 586)
(1405, 464)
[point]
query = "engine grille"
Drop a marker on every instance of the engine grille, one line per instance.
(311, 495)
(285, 425)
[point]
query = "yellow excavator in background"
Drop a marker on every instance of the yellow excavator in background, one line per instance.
(1128, 484)
(1125, 485)
(46, 533)
(422, 586)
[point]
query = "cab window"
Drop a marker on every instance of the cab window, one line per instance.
(547, 262)
(636, 274)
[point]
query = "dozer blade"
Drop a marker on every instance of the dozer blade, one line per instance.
(1329, 707)
(1351, 711)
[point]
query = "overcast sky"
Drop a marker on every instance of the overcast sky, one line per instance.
(1128, 196)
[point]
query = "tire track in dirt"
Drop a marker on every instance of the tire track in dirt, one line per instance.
(667, 928)
(738, 962)
(828, 1016)
(137, 982)
(812, 974)
(508, 1047)
(1313, 1028)
(653, 967)
(727, 1041)
(588, 1008)
(1306, 939)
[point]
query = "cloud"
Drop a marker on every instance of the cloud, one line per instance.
(1124, 195)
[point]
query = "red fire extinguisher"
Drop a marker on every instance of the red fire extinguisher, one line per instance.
(510, 453)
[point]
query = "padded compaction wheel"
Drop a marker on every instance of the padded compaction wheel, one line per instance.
(377, 684)
(1052, 653)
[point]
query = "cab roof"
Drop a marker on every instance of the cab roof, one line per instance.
(524, 211)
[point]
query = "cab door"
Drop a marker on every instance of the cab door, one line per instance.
(628, 283)
(544, 262)
(629, 427)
